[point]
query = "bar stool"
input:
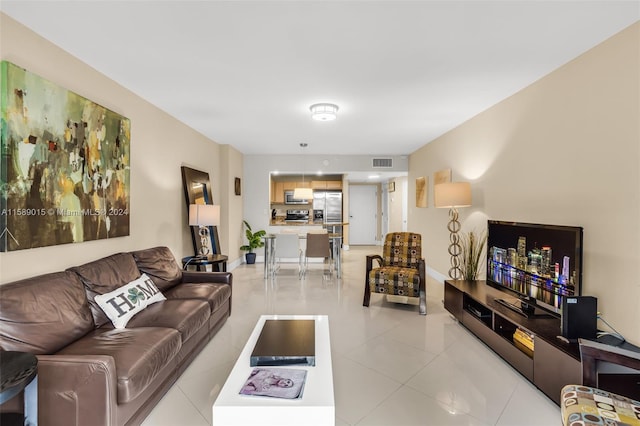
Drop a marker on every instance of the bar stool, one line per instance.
(318, 246)
(287, 247)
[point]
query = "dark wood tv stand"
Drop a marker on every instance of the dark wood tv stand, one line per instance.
(552, 364)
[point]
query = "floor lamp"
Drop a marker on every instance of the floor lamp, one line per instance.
(452, 195)
(204, 216)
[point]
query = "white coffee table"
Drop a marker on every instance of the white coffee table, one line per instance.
(316, 407)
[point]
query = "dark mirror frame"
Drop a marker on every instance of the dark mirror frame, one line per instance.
(190, 179)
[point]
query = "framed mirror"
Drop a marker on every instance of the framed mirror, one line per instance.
(197, 190)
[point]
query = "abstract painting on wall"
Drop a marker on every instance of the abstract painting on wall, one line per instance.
(64, 166)
(422, 185)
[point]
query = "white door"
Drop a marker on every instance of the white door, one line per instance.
(363, 208)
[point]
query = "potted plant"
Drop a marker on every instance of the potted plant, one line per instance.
(473, 244)
(254, 241)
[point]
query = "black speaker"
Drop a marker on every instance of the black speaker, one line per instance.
(579, 317)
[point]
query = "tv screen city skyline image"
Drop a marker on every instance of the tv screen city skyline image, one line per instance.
(540, 261)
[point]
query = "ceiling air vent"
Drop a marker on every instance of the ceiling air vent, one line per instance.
(382, 163)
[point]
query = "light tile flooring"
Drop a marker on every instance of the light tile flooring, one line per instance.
(391, 365)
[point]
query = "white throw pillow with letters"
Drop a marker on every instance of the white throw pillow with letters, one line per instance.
(124, 302)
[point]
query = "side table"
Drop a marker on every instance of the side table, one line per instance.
(218, 262)
(19, 372)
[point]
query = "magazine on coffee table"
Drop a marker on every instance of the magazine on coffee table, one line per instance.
(275, 382)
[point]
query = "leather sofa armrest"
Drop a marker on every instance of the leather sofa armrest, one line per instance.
(207, 277)
(77, 390)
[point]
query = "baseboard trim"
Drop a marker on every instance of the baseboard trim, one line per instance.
(436, 275)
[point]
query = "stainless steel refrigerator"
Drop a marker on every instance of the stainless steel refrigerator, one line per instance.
(327, 207)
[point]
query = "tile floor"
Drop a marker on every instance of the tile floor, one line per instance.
(391, 366)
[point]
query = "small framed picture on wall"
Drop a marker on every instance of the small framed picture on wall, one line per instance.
(421, 191)
(238, 186)
(442, 176)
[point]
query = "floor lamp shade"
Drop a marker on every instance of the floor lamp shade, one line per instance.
(452, 194)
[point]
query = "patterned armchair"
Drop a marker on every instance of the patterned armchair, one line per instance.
(401, 270)
(590, 405)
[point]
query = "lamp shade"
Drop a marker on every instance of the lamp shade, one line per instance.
(303, 193)
(204, 215)
(452, 194)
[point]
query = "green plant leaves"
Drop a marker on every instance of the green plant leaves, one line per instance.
(254, 239)
(473, 245)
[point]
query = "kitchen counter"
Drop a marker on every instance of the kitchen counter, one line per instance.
(282, 222)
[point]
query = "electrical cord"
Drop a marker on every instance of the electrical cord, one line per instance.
(608, 333)
(197, 257)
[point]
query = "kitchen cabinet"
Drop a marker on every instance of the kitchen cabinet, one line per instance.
(326, 184)
(277, 192)
(334, 184)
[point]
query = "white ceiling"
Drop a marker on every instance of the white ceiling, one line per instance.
(244, 73)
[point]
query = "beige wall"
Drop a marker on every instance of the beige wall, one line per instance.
(565, 150)
(397, 202)
(231, 229)
(160, 144)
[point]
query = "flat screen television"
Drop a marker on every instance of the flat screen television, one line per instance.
(541, 264)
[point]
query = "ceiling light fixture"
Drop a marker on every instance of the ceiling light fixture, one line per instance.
(305, 192)
(324, 111)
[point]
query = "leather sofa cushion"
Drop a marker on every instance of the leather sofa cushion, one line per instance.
(140, 354)
(186, 316)
(216, 295)
(160, 264)
(103, 276)
(42, 314)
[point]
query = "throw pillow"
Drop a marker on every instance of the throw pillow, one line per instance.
(124, 302)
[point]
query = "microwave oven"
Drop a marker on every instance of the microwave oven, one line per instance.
(288, 199)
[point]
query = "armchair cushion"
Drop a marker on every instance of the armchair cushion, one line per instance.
(395, 280)
(587, 406)
(402, 249)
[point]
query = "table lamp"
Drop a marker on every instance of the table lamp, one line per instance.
(203, 216)
(452, 195)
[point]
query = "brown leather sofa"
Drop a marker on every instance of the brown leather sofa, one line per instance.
(91, 374)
